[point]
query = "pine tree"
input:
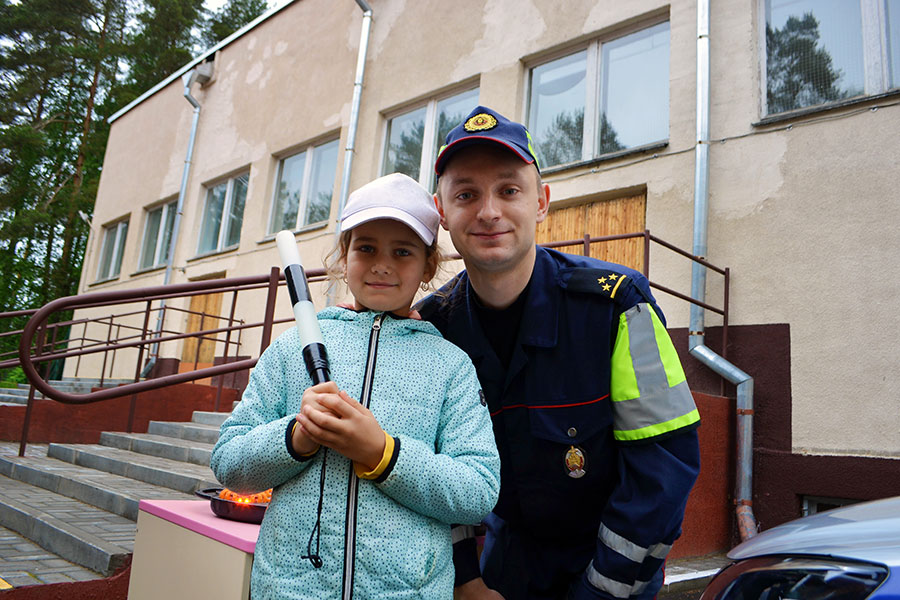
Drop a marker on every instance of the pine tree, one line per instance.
(163, 43)
(229, 18)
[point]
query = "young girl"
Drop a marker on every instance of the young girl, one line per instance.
(369, 470)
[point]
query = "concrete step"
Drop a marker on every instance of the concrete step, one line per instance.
(13, 399)
(112, 493)
(173, 474)
(83, 534)
(161, 446)
(214, 419)
(16, 391)
(24, 563)
(195, 432)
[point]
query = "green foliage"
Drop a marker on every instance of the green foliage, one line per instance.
(66, 66)
(229, 18)
(163, 42)
(11, 378)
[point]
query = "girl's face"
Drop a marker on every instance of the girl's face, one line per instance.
(385, 264)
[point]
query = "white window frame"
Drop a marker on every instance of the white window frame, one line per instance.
(166, 208)
(310, 151)
(590, 142)
(115, 263)
(226, 213)
(430, 143)
(876, 63)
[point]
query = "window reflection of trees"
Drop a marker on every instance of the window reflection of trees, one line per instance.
(406, 153)
(320, 208)
(799, 71)
(560, 142)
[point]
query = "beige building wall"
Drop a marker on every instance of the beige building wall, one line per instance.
(803, 210)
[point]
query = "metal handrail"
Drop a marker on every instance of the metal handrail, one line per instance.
(95, 299)
(34, 350)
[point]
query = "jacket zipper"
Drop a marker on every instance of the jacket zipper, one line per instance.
(353, 483)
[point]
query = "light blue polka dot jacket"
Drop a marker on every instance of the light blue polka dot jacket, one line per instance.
(426, 395)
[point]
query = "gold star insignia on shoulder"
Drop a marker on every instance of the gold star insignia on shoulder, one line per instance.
(611, 282)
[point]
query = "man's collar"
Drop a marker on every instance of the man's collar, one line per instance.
(540, 316)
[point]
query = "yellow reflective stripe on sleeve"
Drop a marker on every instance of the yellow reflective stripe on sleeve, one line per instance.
(648, 389)
(667, 353)
(654, 430)
(622, 381)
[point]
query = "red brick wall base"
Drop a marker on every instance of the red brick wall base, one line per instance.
(53, 421)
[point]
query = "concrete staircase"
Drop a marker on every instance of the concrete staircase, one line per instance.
(80, 501)
(19, 395)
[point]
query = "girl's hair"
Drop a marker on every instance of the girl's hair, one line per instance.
(336, 259)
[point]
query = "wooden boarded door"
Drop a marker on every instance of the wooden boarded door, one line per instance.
(600, 218)
(203, 315)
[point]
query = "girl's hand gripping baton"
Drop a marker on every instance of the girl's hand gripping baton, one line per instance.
(314, 355)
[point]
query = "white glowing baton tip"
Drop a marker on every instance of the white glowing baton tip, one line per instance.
(287, 248)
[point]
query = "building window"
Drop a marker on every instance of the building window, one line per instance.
(305, 188)
(610, 96)
(223, 215)
(112, 250)
(823, 51)
(414, 137)
(157, 235)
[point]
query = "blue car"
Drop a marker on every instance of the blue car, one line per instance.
(849, 553)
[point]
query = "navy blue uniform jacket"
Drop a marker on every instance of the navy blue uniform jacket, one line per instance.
(622, 516)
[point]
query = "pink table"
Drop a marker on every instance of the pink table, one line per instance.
(183, 550)
(196, 515)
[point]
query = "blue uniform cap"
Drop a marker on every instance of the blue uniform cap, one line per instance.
(486, 125)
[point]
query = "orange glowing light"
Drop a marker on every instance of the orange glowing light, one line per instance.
(259, 498)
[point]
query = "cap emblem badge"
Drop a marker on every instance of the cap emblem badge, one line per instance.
(480, 122)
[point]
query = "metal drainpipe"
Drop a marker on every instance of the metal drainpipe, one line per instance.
(747, 525)
(188, 79)
(354, 121)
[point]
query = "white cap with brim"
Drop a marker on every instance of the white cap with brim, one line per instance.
(395, 196)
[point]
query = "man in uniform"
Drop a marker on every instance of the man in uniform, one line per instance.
(592, 415)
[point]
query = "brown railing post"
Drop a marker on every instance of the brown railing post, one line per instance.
(725, 313)
(200, 339)
(112, 363)
(105, 353)
(225, 353)
(83, 338)
(26, 422)
(647, 254)
(587, 244)
(271, 293)
(137, 367)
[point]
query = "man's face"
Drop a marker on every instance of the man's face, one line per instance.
(491, 202)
